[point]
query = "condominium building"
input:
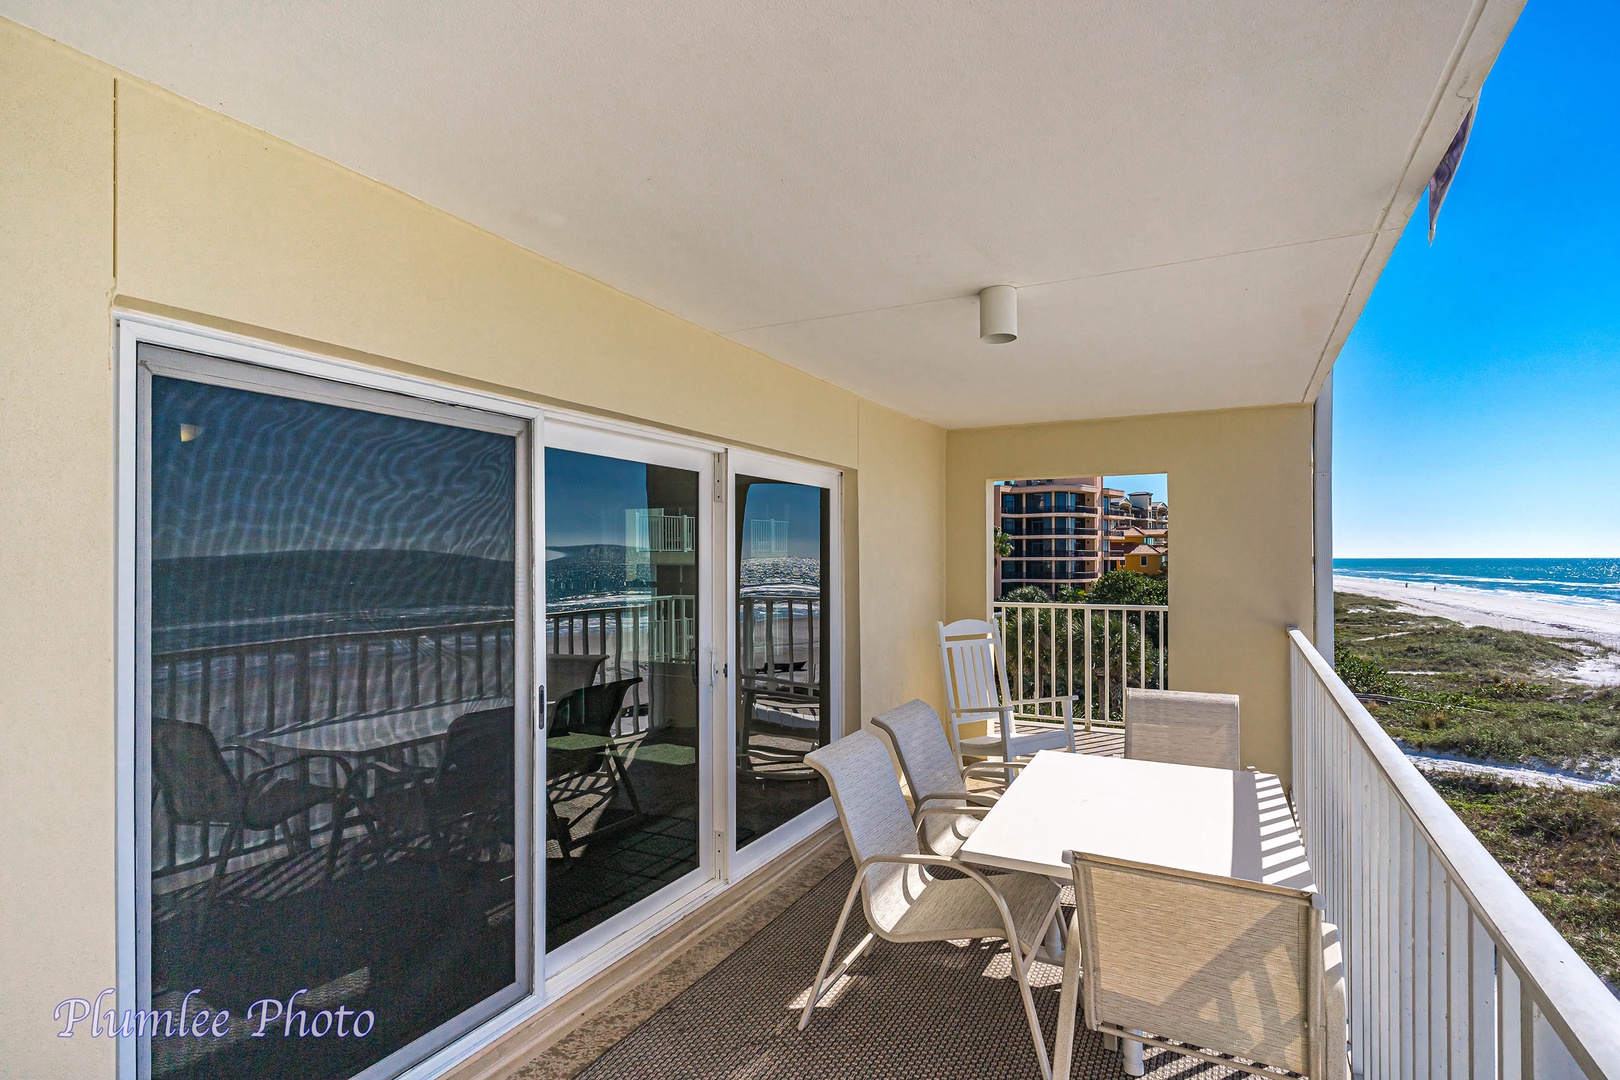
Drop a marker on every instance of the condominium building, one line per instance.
(1067, 533)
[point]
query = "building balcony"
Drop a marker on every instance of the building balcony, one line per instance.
(1449, 968)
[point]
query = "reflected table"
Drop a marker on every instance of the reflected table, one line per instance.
(361, 736)
(1210, 821)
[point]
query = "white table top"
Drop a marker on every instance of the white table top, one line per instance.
(1234, 824)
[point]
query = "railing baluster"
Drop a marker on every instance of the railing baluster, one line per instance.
(1509, 1023)
(239, 692)
(1482, 1000)
(1439, 972)
(1108, 671)
(1405, 901)
(1457, 963)
(205, 693)
(1418, 957)
(1086, 618)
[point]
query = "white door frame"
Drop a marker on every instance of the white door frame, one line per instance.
(764, 850)
(230, 359)
(636, 923)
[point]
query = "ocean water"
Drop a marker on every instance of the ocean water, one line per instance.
(1570, 580)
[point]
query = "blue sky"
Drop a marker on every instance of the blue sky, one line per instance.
(1154, 482)
(1477, 401)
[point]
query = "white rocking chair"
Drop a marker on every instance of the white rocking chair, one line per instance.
(976, 691)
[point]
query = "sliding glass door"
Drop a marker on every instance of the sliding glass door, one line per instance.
(629, 673)
(332, 734)
(430, 708)
(785, 655)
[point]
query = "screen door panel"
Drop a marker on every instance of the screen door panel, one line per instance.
(332, 711)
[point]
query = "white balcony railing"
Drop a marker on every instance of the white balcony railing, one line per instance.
(1451, 970)
(1085, 652)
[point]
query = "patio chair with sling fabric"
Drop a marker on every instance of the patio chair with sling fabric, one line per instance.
(1243, 974)
(933, 774)
(1183, 728)
(903, 898)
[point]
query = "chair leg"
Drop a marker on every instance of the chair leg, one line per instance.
(334, 844)
(1068, 1002)
(623, 775)
(232, 834)
(1021, 965)
(832, 947)
(558, 829)
(1021, 961)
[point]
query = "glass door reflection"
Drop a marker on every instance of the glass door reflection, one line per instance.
(336, 633)
(624, 636)
(782, 547)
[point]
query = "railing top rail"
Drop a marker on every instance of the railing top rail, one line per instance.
(1080, 607)
(1580, 1008)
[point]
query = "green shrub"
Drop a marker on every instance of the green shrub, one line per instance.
(1363, 676)
(1129, 587)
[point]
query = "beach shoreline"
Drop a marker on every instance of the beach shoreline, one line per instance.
(1589, 621)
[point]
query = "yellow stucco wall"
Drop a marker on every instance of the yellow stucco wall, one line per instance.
(1233, 586)
(117, 194)
(56, 554)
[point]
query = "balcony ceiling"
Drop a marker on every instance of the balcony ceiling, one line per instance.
(1194, 199)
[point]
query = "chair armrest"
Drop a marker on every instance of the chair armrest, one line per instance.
(993, 768)
(255, 782)
(948, 811)
(971, 798)
(960, 867)
(243, 748)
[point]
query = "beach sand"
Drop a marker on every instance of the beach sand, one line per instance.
(1598, 623)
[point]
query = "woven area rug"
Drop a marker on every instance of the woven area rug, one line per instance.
(923, 1011)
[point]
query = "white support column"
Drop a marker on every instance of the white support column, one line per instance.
(1322, 471)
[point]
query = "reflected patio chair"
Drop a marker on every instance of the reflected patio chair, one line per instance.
(797, 727)
(1183, 728)
(1239, 973)
(903, 898)
(568, 672)
(934, 776)
(976, 691)
(463, 802)
(198, 787)
(580, 745)
(469, 799)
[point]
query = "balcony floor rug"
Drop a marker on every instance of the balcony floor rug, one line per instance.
(924, 1011)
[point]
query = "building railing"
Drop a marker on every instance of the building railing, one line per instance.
(1451, 969)
(780, 641)
(1087, 652)
(245, 690)
(262, 686)
(635, 637)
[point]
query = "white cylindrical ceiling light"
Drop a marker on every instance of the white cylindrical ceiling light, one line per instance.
(998, 314)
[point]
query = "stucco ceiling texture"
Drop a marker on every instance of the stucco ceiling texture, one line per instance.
(1186, 194)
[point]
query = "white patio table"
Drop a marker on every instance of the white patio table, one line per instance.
(1213, 821)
